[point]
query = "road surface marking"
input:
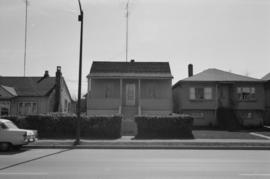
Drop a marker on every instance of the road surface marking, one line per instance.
(255, 174)
(21, 173)
(260, 135)
(27, 161)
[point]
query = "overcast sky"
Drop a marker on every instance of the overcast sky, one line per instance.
(231, 35)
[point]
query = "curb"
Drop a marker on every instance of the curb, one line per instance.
(193, 146)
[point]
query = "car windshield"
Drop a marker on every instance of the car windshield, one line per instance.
(10, 125)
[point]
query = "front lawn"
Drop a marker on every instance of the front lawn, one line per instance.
(222, 134)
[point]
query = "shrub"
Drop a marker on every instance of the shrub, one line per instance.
(175, 126)
(50, 126)
(101, 127)
(64, 126)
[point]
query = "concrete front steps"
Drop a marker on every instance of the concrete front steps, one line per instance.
(129, 127)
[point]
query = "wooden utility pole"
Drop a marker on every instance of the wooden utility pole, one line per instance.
(78, 122)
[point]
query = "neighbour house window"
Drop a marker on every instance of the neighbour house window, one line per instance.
(66, 106)
(34, 108)
(4, 108)
(246, 93)
(249, 115)
(26, 108)
(200, 93)
(4, 111)
(246, 115)
(69, 107)
(89, 84)
(197, 115)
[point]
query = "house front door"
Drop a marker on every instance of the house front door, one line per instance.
(130, 94)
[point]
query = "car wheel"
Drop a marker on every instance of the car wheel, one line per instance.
(4, 146)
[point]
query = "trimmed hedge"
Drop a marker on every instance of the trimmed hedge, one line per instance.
(101, 127)
(174, 126)
(64, 126)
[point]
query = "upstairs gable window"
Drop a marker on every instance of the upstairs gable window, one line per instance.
(246, 93)
(201, 93)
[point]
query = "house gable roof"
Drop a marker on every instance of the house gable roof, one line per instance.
(266, 77)
(29, 86)
(130, 68)
(216, 75)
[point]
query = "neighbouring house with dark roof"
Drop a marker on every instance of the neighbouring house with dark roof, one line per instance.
(34, 95)
(130, 89)
(266, 80)
(201, 95)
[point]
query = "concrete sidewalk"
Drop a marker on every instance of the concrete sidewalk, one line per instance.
(127, 142)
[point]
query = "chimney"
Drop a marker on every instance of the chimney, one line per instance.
(46, 74)
(58, 76)
(58, 72)
(190, 70)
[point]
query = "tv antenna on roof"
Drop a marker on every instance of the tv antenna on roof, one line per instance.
(25, 37)
(127, 14)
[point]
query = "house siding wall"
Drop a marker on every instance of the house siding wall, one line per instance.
(205, 110)
(182, 101)
(42, 102)
(257, 104)
(65, 99)
(156, 96)
(158, 102)
(100, 101)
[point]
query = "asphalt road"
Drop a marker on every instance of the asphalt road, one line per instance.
(123, 164)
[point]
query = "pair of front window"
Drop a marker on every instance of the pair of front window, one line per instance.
(200, 93)
(244, 93)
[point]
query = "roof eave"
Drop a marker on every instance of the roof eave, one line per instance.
(130, 75)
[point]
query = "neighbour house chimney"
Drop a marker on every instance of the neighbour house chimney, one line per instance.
(190, 70)
(58, 76)
(46, 74)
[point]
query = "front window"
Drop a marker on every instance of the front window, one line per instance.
(200, 93)
(66, 105)
(246, 93)
(26, 108)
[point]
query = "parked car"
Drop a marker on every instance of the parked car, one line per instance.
(12, 136)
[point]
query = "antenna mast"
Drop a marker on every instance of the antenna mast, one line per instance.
(25, 37)
(127, 14)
